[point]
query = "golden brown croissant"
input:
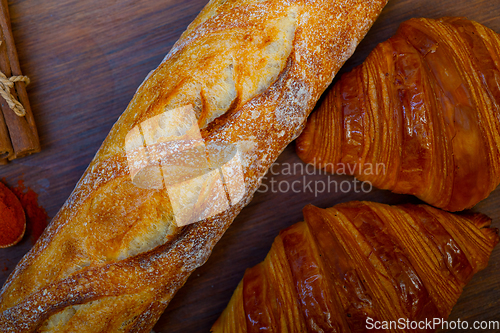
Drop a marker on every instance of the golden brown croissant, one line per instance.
(181, 162)
(420, 116)
(356, 265)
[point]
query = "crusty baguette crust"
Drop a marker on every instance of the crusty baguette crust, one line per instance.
(83, 274)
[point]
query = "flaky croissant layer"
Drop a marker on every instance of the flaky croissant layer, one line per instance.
(420, 116)
(360, 262)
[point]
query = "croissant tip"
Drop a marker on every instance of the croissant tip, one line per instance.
(309, 210)
(301, 147)
(310, 206)
(480, 220)
(303, 142)
(495, 233)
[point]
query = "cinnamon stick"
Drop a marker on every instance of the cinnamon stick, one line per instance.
(6, 149)
(22, 130)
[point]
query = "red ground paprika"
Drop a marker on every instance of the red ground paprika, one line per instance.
(37, 218)
(12, 218)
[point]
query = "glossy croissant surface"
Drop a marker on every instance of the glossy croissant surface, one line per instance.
(360, 260)
(420, 116)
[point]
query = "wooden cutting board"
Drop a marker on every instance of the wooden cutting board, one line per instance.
(86, 58)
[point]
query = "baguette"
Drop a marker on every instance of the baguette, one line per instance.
(129, 235)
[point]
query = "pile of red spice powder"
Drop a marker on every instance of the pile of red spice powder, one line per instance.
(12, 218)
(36, 217)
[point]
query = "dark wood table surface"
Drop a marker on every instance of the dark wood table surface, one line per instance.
(86, 58)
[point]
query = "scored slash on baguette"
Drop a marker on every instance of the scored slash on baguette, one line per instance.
(168, 152)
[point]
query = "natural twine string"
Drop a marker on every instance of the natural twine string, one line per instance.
(5, 85)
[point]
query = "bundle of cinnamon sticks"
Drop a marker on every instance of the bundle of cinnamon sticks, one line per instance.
(18, 133)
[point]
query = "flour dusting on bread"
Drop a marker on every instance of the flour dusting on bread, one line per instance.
(251, 71)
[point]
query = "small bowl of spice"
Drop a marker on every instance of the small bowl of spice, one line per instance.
(12, 218)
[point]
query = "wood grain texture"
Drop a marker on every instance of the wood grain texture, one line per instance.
(86, 59)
